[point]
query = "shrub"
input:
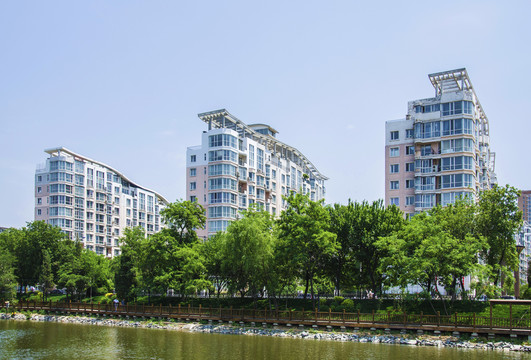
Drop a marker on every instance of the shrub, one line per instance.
(339, 299)
(348, 305)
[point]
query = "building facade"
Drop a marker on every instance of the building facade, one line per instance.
(440, 151)
(238, 165)
(92, 202)
(524, 204)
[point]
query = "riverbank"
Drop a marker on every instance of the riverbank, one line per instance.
(282, 332)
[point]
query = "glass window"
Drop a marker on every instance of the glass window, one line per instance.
(222, 140)
(193, 158)
(394, 168)
(409, 133)
(221, 169)
(394, 135)
(410, 200)
(222, 155)
(193, 172)
(425, 183)
(394, 152)
(193, 185)
(410, 166)
(394, 185)
(410, 184)
(427, 130)
(425, 200)
(395, 201)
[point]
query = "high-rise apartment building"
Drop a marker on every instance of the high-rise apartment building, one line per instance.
(440, 151)
(92, 202)
(238, 165)
(524, 203)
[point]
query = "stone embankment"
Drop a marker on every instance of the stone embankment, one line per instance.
(439, 341)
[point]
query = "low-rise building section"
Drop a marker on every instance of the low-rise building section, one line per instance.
(92, 202)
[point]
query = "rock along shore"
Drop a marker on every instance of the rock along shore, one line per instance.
(440, 341)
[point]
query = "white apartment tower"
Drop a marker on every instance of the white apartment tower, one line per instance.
(92, 202)
(237, 165)
(440, 151)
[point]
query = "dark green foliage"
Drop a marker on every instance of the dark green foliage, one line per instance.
(304, 239)
(125, 277)
(498, 219)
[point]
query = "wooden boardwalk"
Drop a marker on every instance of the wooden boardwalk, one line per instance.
(392, 321)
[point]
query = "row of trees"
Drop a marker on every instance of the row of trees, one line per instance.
(311, 247)
(332, 248)
(40, 254)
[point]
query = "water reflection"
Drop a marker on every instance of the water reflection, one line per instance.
(22, 340)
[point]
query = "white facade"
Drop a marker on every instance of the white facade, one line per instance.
(92, 202)
(237, 165)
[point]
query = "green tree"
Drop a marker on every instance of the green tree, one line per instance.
(458, 221)
(343, 264)
(32, 241)
(304, 239)
(370, 222)
(83, 271)
(183, 218)
(125, 277)
(212, 253)
(498, 219)
(46, 275)
(247, 252)
(8, 281)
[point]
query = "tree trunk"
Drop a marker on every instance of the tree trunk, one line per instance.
(313, 297)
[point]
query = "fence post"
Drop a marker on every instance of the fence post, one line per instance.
(179, 309)
(510, 316)
(160, 309)
(421, 315)
(388, 317)
(290, 315)
(231, 313)
(315, 315)
(199, 311)
(373, 316)
(143, 308)
(189, 310)
(343, 316)
(438, 318)
(491, 315)
(474, 321)
(329, 315)
(455, 317)
(358, 316)
(303, 314)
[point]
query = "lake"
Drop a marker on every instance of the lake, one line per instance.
(48, 340)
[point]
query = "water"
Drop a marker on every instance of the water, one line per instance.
(32, 340)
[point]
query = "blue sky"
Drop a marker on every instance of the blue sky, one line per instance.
(123, 81)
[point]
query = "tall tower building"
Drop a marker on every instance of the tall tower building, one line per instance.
(92, 202)
(524, 203)
(440, 151)
(238, 165)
